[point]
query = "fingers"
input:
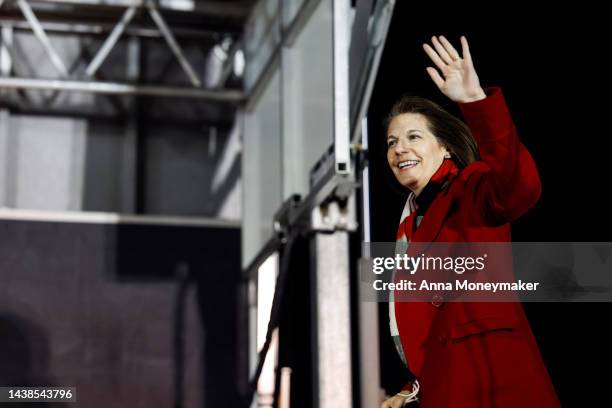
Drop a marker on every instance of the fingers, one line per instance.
(449, 48)
(442, 52)
(447, 59)
(465, 49)
(435, 58)
(435, 77)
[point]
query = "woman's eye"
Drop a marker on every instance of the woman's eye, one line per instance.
(413, 137)
(391, 143)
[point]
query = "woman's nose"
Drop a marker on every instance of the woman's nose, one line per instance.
(399, 148)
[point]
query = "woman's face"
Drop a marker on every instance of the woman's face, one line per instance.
(413, 152)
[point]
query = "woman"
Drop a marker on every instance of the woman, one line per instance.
(467, 183)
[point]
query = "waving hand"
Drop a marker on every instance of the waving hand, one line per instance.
(459, 80)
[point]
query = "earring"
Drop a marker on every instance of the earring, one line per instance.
(447, 155)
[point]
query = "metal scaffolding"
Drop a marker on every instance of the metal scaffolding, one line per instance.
(133, 18)
(138, 64)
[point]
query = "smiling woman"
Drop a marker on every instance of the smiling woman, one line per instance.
(414, 153)
(420, 135)
(466, 183)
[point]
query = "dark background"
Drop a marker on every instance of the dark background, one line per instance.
(132, 315)
(551, 67)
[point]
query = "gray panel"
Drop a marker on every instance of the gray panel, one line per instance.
(261, 169)
(308, 104)
(104, 171)
(49, 162)
(261, 35)
(178, 172)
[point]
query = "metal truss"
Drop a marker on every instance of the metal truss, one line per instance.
(89, 81)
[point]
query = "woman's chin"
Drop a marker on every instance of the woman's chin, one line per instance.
(410, 184)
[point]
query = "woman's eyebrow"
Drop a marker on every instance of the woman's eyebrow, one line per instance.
(406, 132)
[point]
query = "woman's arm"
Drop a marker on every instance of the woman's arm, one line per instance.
(507, 184)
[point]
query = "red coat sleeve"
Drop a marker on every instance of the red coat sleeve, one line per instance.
(508, 184)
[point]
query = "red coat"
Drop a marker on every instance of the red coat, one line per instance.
(478, 354)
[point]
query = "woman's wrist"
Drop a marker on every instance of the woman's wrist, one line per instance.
(478, 96)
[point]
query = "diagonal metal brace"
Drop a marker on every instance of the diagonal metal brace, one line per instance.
(39, 32)
(174, 46)
(110, 42)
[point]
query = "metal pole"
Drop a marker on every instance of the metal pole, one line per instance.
(111, 3)
(6, 63)
(229, 96)
(332, 325)
(39, 32)
(368, 311)
(382, 23)
(102, 28)
(110, 42)
(341, 87)
(220, 8)
(6, 60)
(132, 136)
(174, 46)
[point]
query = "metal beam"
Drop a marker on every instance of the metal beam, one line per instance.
(114, 100)
(382, 21)
(342, 126)
(39, 32)
(211, 8)
(6, 64)
(50, 99)
(291, 33)
(102, 29)
(369, 359)
(332, 313)
(174, 46)
(132, 134)
(110, 42)
(92, 113)
(14, 54)
(229, 96)
(6, 59)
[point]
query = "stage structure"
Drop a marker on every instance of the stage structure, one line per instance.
(119, 197)
(310, 70)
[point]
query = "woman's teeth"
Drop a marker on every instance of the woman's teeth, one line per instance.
(407, 164)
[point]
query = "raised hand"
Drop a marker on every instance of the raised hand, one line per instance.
(459, 80)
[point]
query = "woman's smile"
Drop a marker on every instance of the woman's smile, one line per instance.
(407, 165)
